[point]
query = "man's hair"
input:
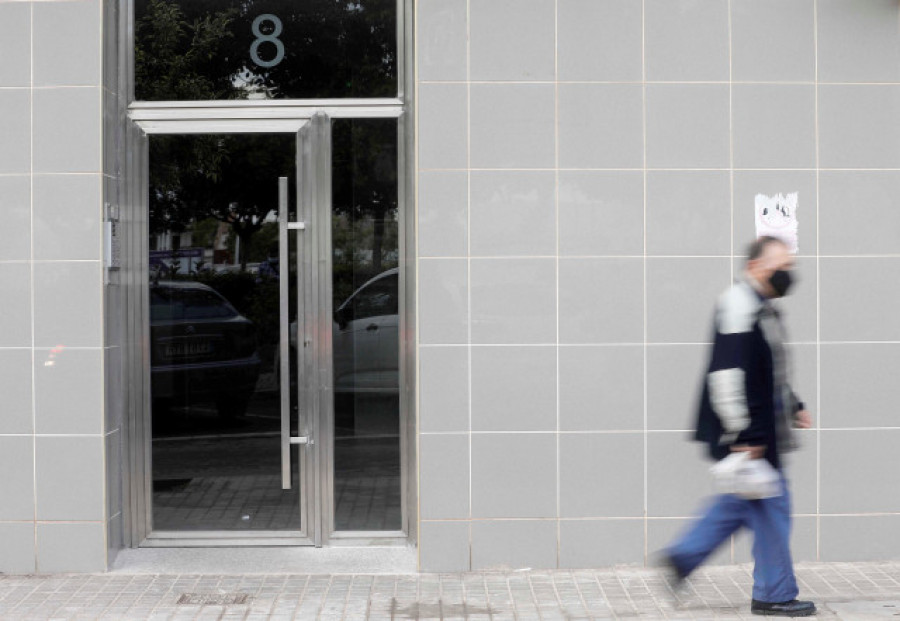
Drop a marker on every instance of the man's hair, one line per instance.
(758, 247)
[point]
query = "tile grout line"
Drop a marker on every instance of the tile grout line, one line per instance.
(731, 168)
(469, 269)
(556, 244)
(645, 443)
(818, 296)
(31, 293)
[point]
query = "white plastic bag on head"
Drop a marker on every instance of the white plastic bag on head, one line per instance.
(753, 479)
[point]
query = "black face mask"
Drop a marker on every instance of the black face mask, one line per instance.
(781, 281)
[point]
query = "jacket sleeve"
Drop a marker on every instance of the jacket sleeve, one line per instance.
(740, 411)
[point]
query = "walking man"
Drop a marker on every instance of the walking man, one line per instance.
(748, 405)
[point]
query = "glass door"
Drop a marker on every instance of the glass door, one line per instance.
(274, 339)
(232, 431)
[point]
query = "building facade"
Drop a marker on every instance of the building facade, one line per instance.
(435, 273)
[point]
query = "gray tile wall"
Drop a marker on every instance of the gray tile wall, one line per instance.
(53, 366)
(586, 180)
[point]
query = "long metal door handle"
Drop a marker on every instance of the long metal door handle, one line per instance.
(372, 326)
(284, 342)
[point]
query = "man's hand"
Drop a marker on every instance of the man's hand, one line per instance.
(756, 452)
(803, 419)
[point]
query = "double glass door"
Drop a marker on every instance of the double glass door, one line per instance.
(274, 343)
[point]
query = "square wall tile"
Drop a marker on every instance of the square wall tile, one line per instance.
(512, 39)
(858, 41)
(15, 44)
(15, 312)
(749, 183)
(601, 301)
(513, 125)
(75, 27)
(444, 476)
(441, 40)
(443, 301)
(846, 538)
(601, 388)
(513, 301)
(443, 126)
(68, 391)
(678, 478)
(68, 211)
(803, 542)
(859, 471)
(687, 125)
(688, 212)
(662, 533)
(681, 298)
(858, 212)
(70, 548)
(774, 125)
(16, 391)
(68, 304)
(587, 544)
(15, 205)
(514, 388)
(443, 546)
(17, 543)
(600, 41)
(773, 40)
(676, 375)
(443, 388)
(804, 381)
(601, 475)
(67, 130)
(859, 384)
(514, 475)
(513, 213)
(64, 492)
(686, 40)
(855, 297)
(799, 307)
(800, 471)
(499, 544)
(857, 126)
(15, 127)
(601, 213)
(601, 126)
(443, 214)
(17, 482)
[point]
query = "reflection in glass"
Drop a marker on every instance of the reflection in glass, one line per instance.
(265, 49)
(365, 329)
(214, 331)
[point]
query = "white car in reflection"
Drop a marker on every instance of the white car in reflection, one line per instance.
(365, 338)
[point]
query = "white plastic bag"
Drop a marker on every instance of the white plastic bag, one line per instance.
(753, 479)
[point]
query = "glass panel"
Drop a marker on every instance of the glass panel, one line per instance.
(265, 49)
(214, 328)
(365, 329)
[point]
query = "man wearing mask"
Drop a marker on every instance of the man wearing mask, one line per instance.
(748, 405)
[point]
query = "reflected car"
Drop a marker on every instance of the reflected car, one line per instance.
(365, 338)
(202, 349)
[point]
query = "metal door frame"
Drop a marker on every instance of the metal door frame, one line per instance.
(280, 116)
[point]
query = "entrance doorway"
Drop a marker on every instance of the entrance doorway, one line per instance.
(274, 348)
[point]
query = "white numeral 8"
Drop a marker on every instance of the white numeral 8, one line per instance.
(277, 27)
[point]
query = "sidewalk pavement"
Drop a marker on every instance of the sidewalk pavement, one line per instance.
(854, 591)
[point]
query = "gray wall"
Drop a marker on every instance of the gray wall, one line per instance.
(586, 180)
(53, 340)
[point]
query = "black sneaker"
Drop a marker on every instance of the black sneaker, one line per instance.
(672, 573)
(793, 608)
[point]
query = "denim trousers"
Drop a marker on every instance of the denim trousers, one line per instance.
(770, 521)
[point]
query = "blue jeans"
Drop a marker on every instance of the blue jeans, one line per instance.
(770, 521)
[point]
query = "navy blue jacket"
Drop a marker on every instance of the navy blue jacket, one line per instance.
(746, 397)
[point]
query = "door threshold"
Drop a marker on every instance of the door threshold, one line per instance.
(385, 559)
